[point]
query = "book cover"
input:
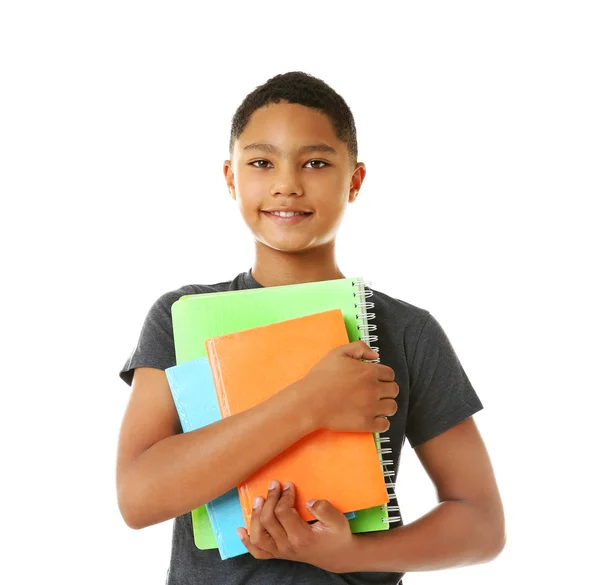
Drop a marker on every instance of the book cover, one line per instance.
(251, 366)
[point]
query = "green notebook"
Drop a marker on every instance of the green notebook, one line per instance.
(199, 317)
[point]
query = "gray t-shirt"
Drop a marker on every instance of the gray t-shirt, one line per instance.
(435, 394)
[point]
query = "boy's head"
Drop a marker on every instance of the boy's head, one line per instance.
(297, 87)
(293, 149)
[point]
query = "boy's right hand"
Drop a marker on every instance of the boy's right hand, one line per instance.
(343, 393)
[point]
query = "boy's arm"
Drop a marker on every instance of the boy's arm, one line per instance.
(466, 528)
(161, 472)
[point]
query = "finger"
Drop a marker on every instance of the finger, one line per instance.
(385, 373)
(380, 425)
(388, 389)
(254, 550)
(359, 350)
(258, 534)
(387, 407)
(327, 514)
(287, 514)
(268, 520)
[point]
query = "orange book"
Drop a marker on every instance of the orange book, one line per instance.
(249, 367)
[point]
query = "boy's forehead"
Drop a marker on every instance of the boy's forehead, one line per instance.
(288, 126)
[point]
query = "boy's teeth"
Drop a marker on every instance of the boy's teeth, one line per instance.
(287, 213)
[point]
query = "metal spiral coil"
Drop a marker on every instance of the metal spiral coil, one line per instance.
(365, 314)
(391, 520)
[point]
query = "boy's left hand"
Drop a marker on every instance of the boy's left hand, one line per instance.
(278, 532)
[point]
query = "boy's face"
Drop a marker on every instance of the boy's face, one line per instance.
(284, 177)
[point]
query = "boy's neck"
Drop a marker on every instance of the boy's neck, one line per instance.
(275, 268)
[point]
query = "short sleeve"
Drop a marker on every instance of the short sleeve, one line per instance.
(440, 394)
(155, 347)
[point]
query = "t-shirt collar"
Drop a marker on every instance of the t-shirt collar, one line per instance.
(248, 280)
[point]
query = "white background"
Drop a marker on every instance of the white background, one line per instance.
(479, 126)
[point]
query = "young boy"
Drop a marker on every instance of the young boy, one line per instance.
(293, 149)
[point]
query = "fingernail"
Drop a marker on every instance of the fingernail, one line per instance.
(287, 486)
(273, 485)
(310, 503)
(257, 502)
(240, 533)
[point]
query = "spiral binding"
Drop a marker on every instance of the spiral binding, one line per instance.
(366, 330)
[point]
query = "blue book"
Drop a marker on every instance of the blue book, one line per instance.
(193, 391)
(194, 395)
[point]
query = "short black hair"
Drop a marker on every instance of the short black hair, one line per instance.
(298, 87)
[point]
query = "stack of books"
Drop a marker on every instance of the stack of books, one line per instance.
(236, 349)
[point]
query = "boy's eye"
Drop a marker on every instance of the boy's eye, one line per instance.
(323, 163)
(318, 162)
(259, 161)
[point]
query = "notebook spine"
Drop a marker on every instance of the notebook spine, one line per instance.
(364, 314)
(215, 366)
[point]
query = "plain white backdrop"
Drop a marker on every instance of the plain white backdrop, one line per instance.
(479, 126)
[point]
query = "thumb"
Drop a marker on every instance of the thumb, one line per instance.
(360, 350)
(326, 513)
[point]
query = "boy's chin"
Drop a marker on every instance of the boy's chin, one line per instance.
(287, 246)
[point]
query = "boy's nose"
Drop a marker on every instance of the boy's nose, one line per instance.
(286, 181)
(286, 193)
(287, 188)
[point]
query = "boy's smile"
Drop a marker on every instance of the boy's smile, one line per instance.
(287, 216)
(289, 159)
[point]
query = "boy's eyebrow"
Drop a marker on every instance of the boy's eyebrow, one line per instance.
(272, 149)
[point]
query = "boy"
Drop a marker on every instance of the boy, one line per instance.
(293, 149)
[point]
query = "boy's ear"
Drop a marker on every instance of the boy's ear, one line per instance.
(356, 182)
(228, 172)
